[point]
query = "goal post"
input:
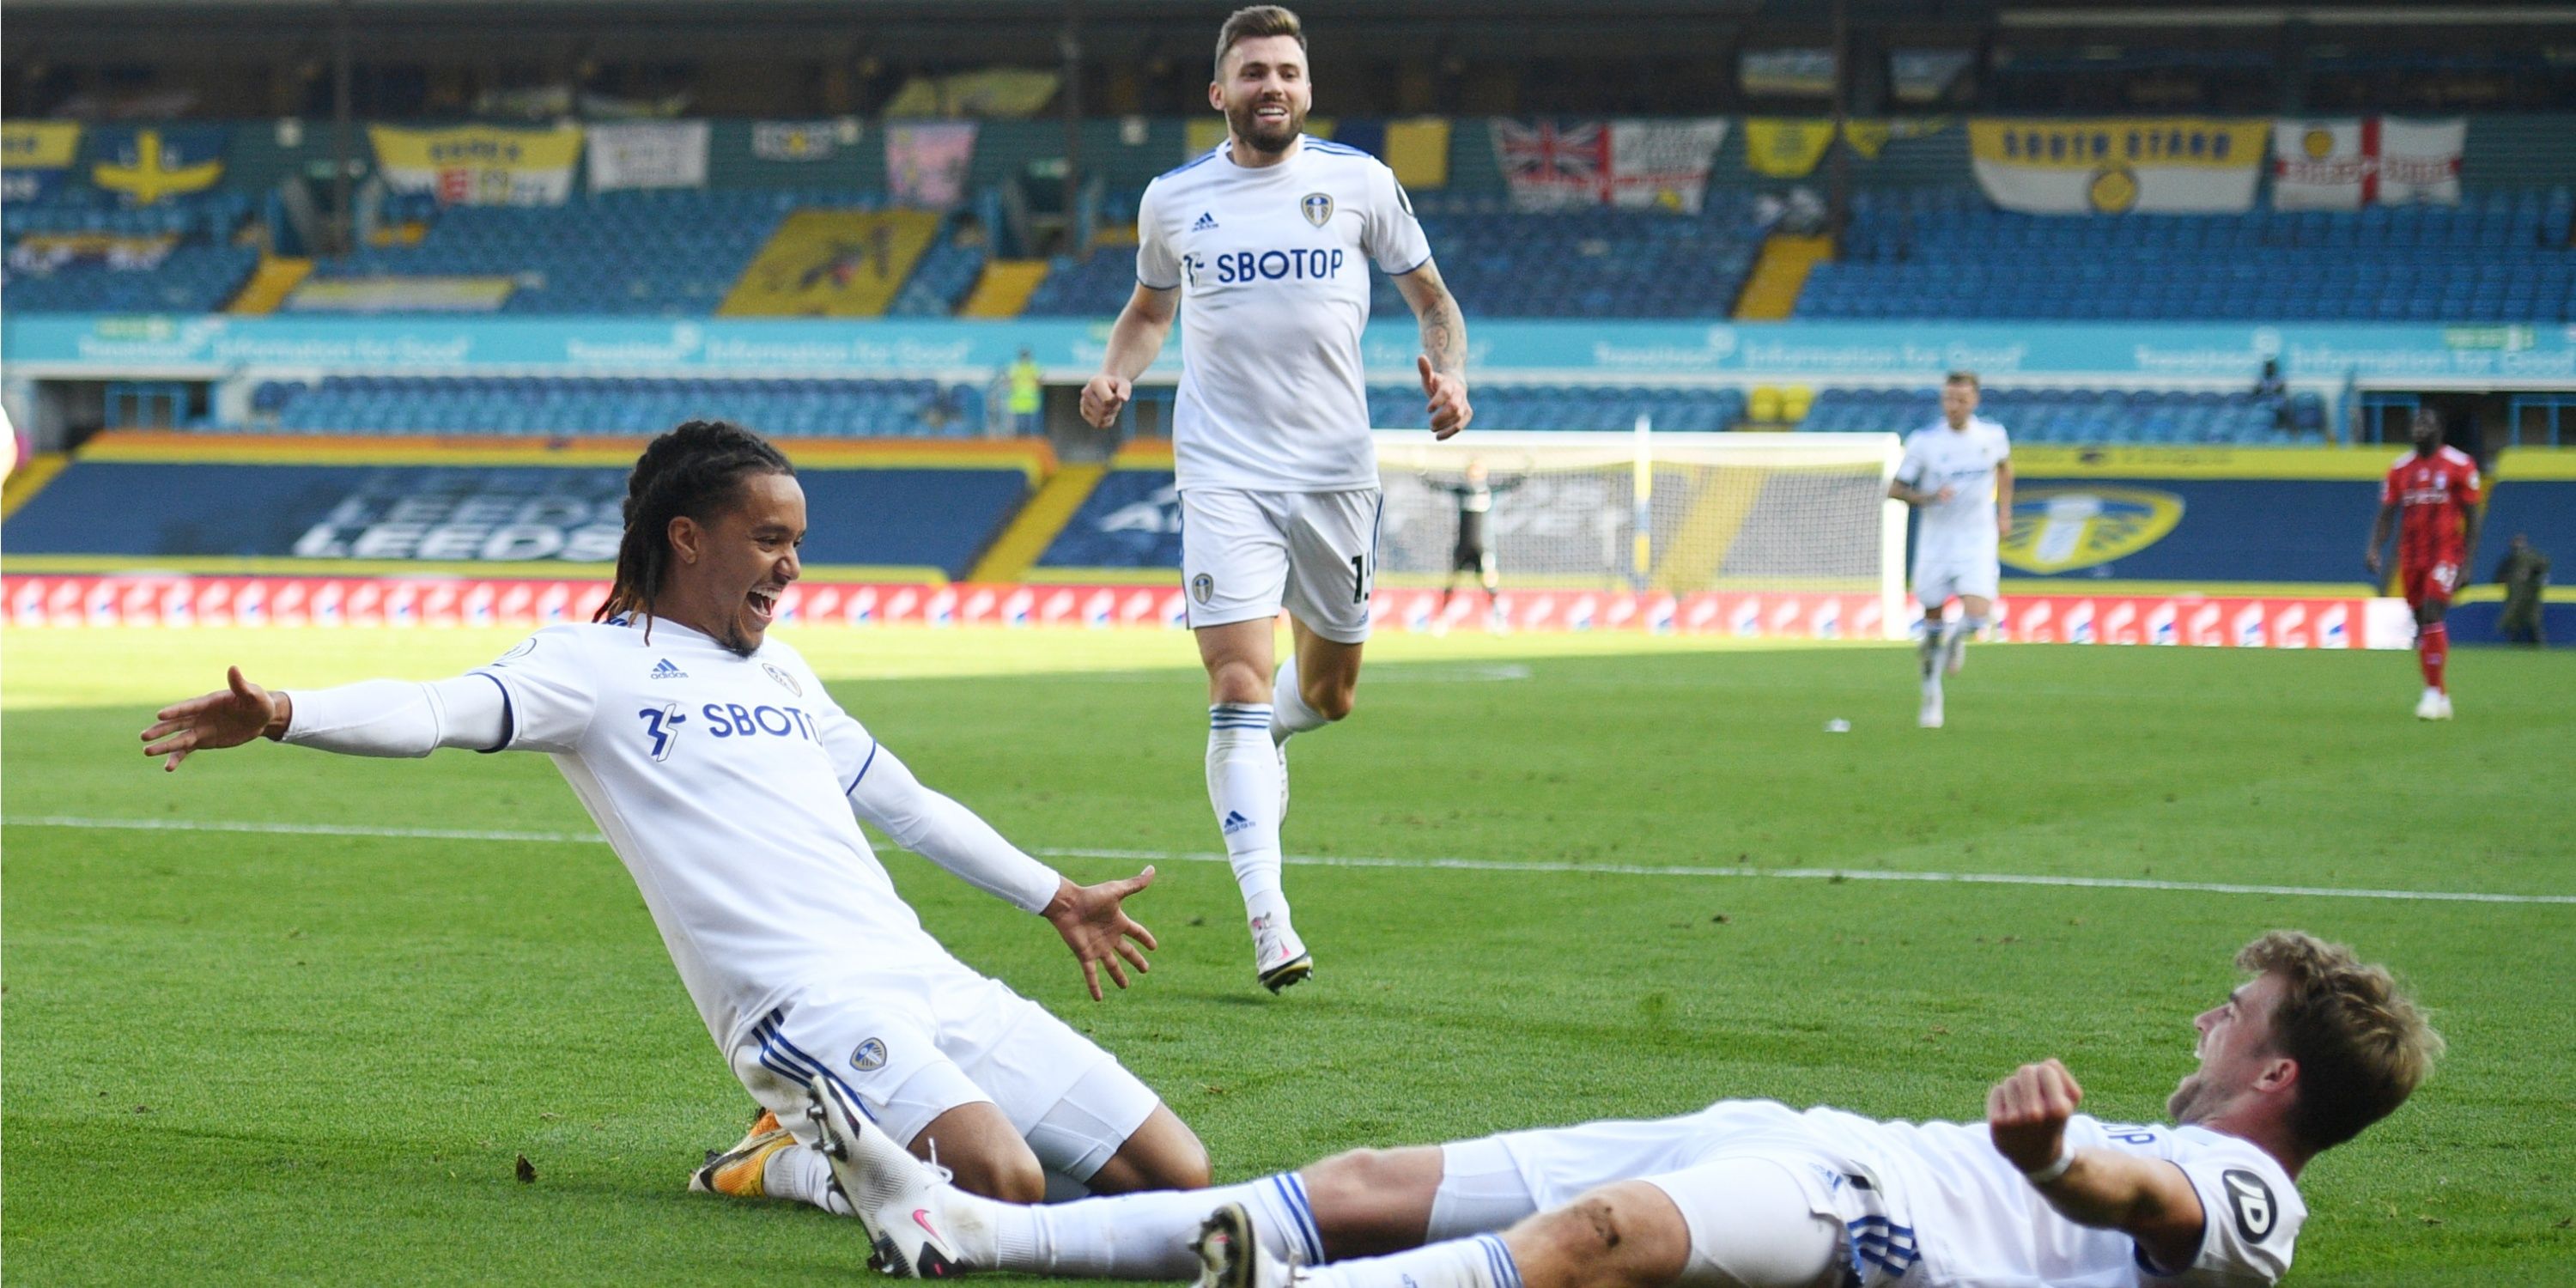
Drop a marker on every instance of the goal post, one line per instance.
(1649, 511)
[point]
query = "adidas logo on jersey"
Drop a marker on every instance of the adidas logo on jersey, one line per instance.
(663, 670)
(1235, 822)
(1206, 221)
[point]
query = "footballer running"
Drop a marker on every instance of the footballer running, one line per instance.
(1269, 239)
(1958, 472)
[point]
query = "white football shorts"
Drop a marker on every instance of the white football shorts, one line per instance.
(911, 1046)
(1766, 1203)
(1246, 555)
(1938, 581)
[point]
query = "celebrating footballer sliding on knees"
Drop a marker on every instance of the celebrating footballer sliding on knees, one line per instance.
(1269, 239)
(730, 783)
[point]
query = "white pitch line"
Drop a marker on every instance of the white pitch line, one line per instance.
(303, 829)
(1340, 861)
(1835, 874)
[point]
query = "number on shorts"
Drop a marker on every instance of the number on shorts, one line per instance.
(1359, 579)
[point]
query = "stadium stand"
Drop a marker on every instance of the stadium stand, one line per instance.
(940, 282)
(669, 253)
(49, 270)
(2087, 415)
(534, 406)
(1569, 407)
(1593, 263)
(1936, 253)
(2032, 415)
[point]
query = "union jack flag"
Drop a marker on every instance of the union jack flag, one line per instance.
(1551, 165)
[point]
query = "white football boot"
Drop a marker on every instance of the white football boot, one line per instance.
(904, 1204)
(2433, 706)
(1230, 1256)
(1279, 957)
(1930, 716)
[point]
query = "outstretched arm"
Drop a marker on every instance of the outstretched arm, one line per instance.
(1091, 919)
(1443, 364)
(370, 718)
(1134, 341)
(2148, 1199)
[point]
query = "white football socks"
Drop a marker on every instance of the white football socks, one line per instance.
(1145, 1235)
(1928, 652)
(1961, 632)
(801, 1173)
(1289, 713)
(1480, 1262)
(1243, 787)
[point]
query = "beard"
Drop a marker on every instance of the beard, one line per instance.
(1249, 130)
(2184, 1105)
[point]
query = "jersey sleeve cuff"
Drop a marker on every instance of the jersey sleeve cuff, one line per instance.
(509, 717)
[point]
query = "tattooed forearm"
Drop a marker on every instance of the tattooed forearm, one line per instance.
(1444, 335)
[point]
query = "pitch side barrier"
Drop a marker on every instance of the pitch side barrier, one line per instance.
(67, 601)
(2235, 547)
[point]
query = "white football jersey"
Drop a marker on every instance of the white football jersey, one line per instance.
(721, 781)
(1960, 530)
(1971, 1218)
(1273, 269)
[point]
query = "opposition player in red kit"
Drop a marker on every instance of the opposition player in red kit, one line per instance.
(2436, 488)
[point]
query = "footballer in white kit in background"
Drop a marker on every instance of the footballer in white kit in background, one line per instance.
(1269, 240)
(2313, 1048)
(730, 783)
(1959, 474)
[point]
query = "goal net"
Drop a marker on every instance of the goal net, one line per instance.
(1654, 511)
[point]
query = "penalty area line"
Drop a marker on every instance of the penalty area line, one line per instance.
(1344, 861)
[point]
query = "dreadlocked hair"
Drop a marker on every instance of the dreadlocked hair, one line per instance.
(690, 471)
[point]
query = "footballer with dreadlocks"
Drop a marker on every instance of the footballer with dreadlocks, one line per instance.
(731, 784)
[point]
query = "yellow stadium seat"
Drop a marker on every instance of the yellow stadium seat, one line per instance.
(1794, 402)
(1763, 404)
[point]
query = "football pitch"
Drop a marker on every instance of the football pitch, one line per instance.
(286, 1017)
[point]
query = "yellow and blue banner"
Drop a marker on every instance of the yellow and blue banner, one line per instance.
(832, 264)
(401, 295)
(2116, 165)
(1790, 147)
(480, 165)
(146, 163)
(35, 155)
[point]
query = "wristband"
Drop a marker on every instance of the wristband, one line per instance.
(2044, 1175)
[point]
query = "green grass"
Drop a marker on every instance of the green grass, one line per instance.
(298, 1058)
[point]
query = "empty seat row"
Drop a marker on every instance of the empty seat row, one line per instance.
(554, 407)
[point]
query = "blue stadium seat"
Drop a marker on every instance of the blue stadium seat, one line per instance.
(1593, 263)
(2082, 415)
(617, 405)
(2500, 256)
